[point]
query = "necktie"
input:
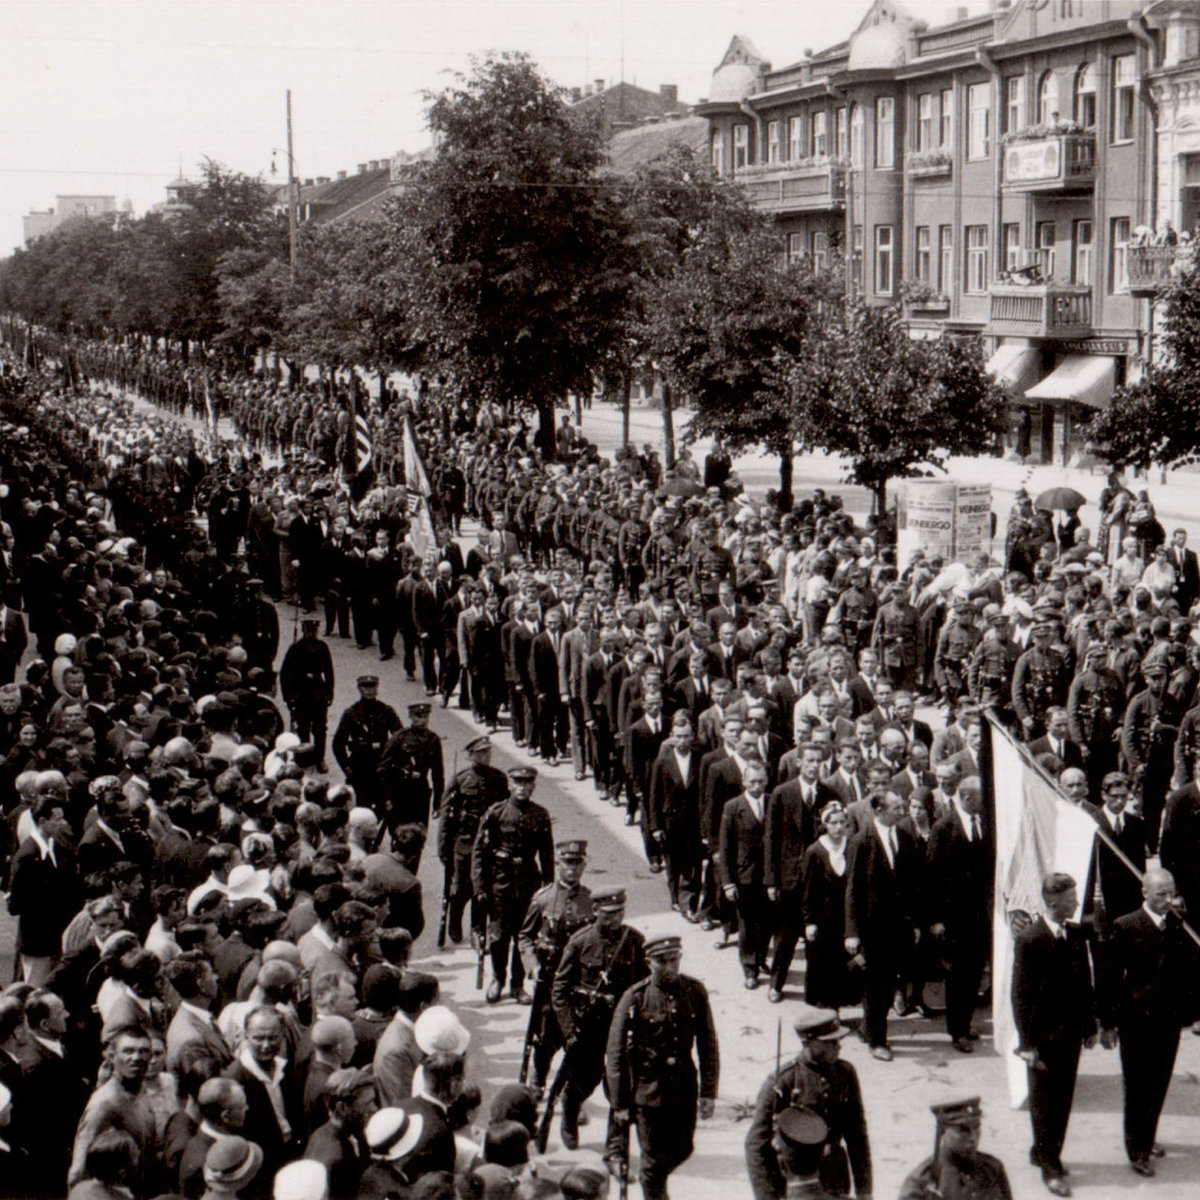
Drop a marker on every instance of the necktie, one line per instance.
(976, 831)
(1118, 824)
(891, 845)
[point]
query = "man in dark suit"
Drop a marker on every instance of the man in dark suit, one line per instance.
(595, 710)
(862, 686)
(959, 860)
(1147, 993)
(673, 814)
(742, 837)
(544, 673)
(882, 865)
(1187, 571)
(1179, 847)
(726, 610)
(1113, 890)
(903, 720)
(14, 639)
(642, 744)
(916, 773)
(1056, 740)
(1054, 1005)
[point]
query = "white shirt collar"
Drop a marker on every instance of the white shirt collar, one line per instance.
(1159, 922)
(45, 848)
(205, 1016)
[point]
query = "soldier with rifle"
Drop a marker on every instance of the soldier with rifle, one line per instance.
(809, 1135)
(556, 913)
(413, 771)
(359, 741)
(471, 793)
(600, 964)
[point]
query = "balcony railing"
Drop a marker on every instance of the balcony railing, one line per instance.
(929, 165)
(1152, 269)
(1061, 162)
(1053, 310)
(796, 187)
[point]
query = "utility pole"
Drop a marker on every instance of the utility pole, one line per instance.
(291, 191)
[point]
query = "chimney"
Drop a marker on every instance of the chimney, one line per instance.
(599, 86)
(669, 92)
(960, 13)
(341, 174)
(362, 168)
(576, 95)
(322, 178)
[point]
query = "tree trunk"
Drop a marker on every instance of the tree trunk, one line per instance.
(626, 406)
(787, 466)
(668, 423)
(880, 491)
(578, 410)
(544, 437)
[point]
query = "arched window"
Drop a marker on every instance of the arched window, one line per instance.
(1085, 96)
(1048, 109)
(857, 136)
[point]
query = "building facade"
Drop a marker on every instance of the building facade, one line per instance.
(38, 223)
(990, 174)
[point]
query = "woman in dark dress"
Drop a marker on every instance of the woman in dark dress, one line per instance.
(828, 980)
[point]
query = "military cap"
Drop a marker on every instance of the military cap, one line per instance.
(963, 605)
(311, 623)
(422, 709)
(574, 850)
(254, 582)
(523, 774)
(479, 744)
(802, 1127)
(608, 899)
(818, 1024)
(1154, 668)
(958, 1112)
(660, 944)
(368, 681)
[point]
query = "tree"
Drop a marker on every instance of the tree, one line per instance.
(513, 240)
(1157, 419)
(896, 407)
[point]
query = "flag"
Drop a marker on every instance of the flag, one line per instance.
(1037, 831)
(414, 469)
(420, 530)
(364, 449)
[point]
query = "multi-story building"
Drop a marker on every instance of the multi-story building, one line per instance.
(67, 208)
(989, 174)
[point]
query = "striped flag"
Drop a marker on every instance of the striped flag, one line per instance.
(415, 477)
(364, 449)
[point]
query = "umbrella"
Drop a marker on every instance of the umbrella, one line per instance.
(1060, 498)
(680, 485)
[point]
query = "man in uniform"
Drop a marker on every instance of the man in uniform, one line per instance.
(413, 770)
(258, 626)
(513, 856)
(956, 643)
(1040, 681)
(808, 1120)
(652, 1076)
(600, 964)
(557, 912)
(895, 638)
(989, 676)
(1095, 708)
(1148, 747)
(472, 791)
(359, 740)
(306, 683)
(957, 1167)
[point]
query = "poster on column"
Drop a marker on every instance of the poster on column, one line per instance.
(944, 518)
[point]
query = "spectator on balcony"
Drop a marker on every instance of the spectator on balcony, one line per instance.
(1166, 235)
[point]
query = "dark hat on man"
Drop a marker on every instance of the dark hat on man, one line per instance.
(818, 1024)
(422, 708)
(523, 774)
(608, 899)
(311, 623)
(800, 1127)
(958, 1113)
(367, 681)
(662, 944)
(574, 850)
(480, 743)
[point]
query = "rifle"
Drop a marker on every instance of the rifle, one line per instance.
(481, 953)
(534, 1030)
(564, 1068)
(621, 1158)
(447, 881)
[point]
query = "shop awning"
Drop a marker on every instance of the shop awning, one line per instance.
(1080, 379)
(1014, 365)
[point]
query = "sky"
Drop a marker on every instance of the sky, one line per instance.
(113, 97)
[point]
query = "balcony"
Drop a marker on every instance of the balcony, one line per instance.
(1045, 310)
(1058, 162)
(805, 186)
(929, 164)
(1152, 269)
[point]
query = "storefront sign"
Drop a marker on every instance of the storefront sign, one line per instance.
(1027, 162)
(1115, 347)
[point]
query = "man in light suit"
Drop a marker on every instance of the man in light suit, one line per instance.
(742, 841)
(192, 976)
(673, 814)
(579, 643)
(1187, 571)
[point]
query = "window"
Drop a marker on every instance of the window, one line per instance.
(773, 141)
(820, 250)
(795, 248)
(1118, 254)
(1014, 103)
(856, 261)
(1082, 270)
(1085, 96)
(840, 136)
(925, 121)
(885, 133)
(857, 136)
(947, 115)
(1045, 248)
(1122, 98)
(1012, 247)
(945, 258)
(883, 260)
(795, 138)
(977, 260)
(979, 116)
(924, 255)
(741, 147)
(819, 135)
(1048, 109)
(718, 154)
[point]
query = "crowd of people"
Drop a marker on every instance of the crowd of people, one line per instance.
(739, 679)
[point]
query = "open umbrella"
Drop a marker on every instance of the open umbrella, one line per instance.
(679, 485)
(1063, 499)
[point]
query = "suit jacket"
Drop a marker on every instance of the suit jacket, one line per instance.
(44, 896)
(397, 1057)
(1120, 889)
(13, 640)
(595, 688)
(918, 730)
(862, 695)
(188, 1029)
(881, 897)
(902, 782)
(544, 666)
(1187, 573)
(742, 840)
(261, 1125)
(1179, 847)
(641, 749)
(957, 889)
(722, 781)
(1052, 993)
(577, 649)
(674, 804)
(1071, 756)
(791, 828)
(847, 791)
(1149, 976)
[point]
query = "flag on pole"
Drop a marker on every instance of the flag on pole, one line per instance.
(415, 477)
(1037, 831)
(420, 529)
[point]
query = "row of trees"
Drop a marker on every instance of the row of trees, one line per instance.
(518, 267)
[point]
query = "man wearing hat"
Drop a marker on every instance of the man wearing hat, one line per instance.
(513, 856)
(653, 1081)
(1095, 709)
(556, 913)
(306, 682)
(599, 964)
(360, 738)
(957, 1166)
(808, 1120)
(1041, 680)
(895, 637)
(412, 770)
(257, 623)
(955, 645)
(990, 673)
(472, 792)
(1148, 746)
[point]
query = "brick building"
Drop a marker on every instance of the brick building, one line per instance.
(989, 173)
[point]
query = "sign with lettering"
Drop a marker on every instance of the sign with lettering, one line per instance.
(949, 520)
(1110, 346)
(1026, 162)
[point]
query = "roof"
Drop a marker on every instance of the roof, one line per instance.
(626, 102)
(328, 201)
(629, 149)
